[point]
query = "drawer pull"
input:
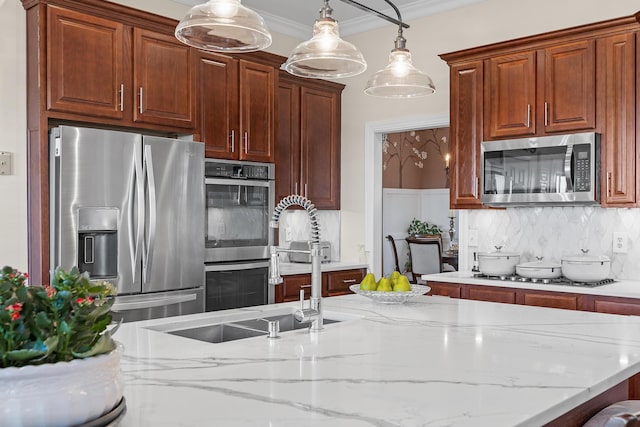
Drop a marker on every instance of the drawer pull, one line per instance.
(349, 281)
(305, 286)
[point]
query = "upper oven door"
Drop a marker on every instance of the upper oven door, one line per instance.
(556, 170)
(238, 212)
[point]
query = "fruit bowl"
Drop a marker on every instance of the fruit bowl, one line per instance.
(391, 297)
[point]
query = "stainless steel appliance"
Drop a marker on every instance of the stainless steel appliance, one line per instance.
(240, 198)
(550, 170)
(556, 281)
(129, 209)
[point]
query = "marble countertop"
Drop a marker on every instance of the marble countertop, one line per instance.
(621, 288)
(433, 361)
(289, 268)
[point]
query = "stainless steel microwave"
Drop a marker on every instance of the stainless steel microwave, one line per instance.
(549, 170)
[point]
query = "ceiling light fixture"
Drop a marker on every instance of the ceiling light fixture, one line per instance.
(223, 26)
(325, 54)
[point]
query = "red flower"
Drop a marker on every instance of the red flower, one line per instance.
(79, 300)
(26, 275)
(50, 291)
(14, 309)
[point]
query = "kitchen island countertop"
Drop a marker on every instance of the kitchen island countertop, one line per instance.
(432, 361)
(620, 288)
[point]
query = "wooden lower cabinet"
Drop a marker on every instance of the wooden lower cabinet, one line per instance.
(445, 289)
(334, 283)
(568, 302)
(616, 307)
(492, 295)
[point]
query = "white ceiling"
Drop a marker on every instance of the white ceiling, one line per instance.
(296, 17)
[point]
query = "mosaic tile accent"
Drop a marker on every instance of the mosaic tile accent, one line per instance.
(554, 232)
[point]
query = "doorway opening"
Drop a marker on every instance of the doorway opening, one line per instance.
(374, 137)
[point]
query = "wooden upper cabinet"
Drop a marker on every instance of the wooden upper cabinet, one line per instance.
(308, 155)
(570, 87)
(466, 133)
(551, 90)
(85, 65)
(511, 95)
(620, 154)
(257, 111)
(218, 117)
(163, 80)
(320, 138)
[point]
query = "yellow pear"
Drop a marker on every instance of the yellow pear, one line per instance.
(402, 284)
(368, 283)
(384, 285)
(393, 277)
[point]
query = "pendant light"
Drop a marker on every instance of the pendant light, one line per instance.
(325, 55)
(223, 26)
(400, 79)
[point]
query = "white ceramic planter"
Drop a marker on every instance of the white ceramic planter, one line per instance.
(61, 394)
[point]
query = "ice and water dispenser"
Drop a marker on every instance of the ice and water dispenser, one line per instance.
(98, 242)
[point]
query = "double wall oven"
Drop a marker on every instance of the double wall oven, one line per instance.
(240, 198)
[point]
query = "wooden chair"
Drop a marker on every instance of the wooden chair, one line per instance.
(426, 256)
(395, 251)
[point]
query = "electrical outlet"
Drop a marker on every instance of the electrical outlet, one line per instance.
(620, 243)
(473, 237)
(288, 234)
(5, 163)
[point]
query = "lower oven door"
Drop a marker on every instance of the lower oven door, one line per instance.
(237, 284)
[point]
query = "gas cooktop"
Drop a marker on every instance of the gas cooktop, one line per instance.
(559, 281)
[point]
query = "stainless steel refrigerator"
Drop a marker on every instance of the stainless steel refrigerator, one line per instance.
(129, 209)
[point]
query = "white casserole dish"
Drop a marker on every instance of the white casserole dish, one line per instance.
(586, 268)
(539, 269)
(498, 263)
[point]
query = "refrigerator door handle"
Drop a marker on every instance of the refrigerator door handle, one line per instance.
(152, 302)
(146, 266)
(136, 236)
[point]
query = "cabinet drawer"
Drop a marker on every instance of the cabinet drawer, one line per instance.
(553, 301)
(616, 307)
(291, 287)
(445, 290)
(338, 282)
(492, 295)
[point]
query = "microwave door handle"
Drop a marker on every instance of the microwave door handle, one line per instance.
(568, 165)
(146, 266)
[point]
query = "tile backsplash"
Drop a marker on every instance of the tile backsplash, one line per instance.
(553, 232)
(298, 222)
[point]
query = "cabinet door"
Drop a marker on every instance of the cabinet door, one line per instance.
(257, 112)
(218, 119)
(615, 307)
(320, 139)
(511, 95)
(568, 302)
(466, 133)
(291, 287)
(288, 147)
(163, 80)
(507, 296)
(85, 72)
(338, 282)
(619, 138)
(569, 87)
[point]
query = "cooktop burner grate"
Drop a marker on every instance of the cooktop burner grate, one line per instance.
(559, 281)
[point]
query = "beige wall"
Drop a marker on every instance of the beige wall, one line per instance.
(490, 21)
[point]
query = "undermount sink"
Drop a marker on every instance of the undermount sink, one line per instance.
(242, 328)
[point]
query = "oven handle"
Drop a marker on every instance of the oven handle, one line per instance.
(235, 267)
(245, 183)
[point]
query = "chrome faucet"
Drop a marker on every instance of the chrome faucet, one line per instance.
(312, 314)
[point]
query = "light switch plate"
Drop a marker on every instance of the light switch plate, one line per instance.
(620, 243)
(5, 163)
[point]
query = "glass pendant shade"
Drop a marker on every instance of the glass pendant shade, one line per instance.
(223, 26)
(400, 79)
(325, 55)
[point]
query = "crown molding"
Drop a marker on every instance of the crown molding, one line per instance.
(285, 26)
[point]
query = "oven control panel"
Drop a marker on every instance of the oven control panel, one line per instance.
(239, 170)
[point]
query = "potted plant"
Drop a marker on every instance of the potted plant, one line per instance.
(54, 340)
(423, 228)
